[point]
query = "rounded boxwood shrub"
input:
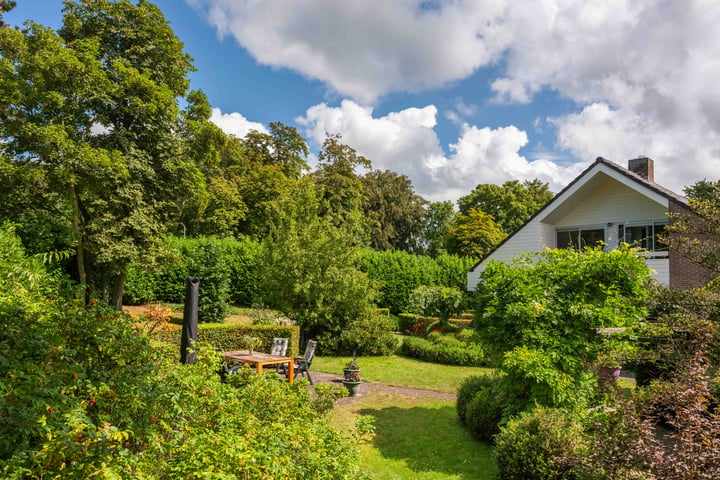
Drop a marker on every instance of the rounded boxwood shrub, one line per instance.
(484, 412)
(542, 444)
(446, 352)
(467, 390)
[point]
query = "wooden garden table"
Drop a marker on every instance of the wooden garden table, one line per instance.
(261, 359)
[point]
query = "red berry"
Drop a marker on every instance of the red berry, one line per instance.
(79, 437)
(51, 409)
(74, 375)
(92, 401)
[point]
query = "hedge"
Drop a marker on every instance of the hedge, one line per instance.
(230, 336)
(469, 355)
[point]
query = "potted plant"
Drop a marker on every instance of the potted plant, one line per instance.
(611, 356)
(352, 377)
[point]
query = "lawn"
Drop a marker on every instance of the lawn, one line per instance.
(403, 372)
(416, 438)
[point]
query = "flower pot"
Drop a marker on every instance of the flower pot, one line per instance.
(609, 374)
(353, 388)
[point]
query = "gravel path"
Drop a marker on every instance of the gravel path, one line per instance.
(367, 388)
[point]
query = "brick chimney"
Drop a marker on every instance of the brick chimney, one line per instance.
(644, 167)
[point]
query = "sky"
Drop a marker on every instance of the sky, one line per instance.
(457, 93)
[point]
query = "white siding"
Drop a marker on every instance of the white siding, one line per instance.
(661, 270)
(604, 200)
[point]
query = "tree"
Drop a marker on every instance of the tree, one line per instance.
(695, 234)
(310, 273)
(440, 217)
(342, 189)
(5, 6)
(510, 205)
(474, 235)
(95, 107)
(395, 211)
(283, 147)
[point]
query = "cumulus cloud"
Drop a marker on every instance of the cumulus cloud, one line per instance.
(362, 49)
(406, 142)
(642, 73)
(234, 123)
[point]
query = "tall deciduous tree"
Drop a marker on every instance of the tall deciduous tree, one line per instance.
(395, 211)
(440, 218)
(475, 234)
(283, 147)
(95, 107)
(511, 204)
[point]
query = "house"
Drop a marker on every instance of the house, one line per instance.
(611, 204)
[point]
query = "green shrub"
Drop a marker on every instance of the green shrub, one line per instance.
(84, 395)
(370, 335)
(416, 325)
(542, 444)
(435, 301)
(140, 286)
(484, 412)
(448, 352)
(230, 336)
(467, 390)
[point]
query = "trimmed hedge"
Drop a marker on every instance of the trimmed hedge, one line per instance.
(401, 272)
(230, 336)
(446, 353)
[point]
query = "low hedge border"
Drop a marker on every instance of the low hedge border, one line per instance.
(230, 336)
(469, 355)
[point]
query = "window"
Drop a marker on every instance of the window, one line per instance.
(644, 236)
(579, 237)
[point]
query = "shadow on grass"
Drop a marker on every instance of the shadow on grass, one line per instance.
(431, 440)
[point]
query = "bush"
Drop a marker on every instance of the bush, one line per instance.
(230, 336)
(435, 301)
(370, 335)
(83, 395)
(467, 390)
(446, 352)
(542, 444)
(484, 413)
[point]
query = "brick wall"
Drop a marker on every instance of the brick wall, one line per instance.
(685, 274)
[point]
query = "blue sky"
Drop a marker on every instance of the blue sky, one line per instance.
(457, 93)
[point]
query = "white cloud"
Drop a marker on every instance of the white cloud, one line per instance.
(406, 142)
(642, 73)
(234, 123)
(360, 49)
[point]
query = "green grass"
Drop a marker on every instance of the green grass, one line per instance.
(417, 438)
(403, 372)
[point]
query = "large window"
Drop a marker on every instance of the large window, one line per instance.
(579, 238)
(644, 236)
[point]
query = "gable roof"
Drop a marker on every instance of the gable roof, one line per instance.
(583, 178)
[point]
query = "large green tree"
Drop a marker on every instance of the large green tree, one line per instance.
(95, 108)
(283, 147)
(395, 210)
(474, 234)
(510, 204)
(439, 219)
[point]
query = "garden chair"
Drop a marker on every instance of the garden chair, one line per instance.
(302, 364)
(279, 346)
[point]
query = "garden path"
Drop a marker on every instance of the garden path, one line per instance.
(368, 387)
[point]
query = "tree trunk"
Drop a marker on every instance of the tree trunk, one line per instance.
(80, 249)
(119, 288)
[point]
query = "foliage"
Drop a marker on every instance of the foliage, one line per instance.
(399, 273)
(436, 301)
(695, 234)
(667, 430)
(309, 272)
(439, 219)
(282, 147)
(467, 390)
(447, 352)
(484, 412)
(474, 234)
(395, 211)
(369, 335)
(542, 314)
(510, 205)
(118, 190)
(543, 444)
(230, 336)
(84, 395)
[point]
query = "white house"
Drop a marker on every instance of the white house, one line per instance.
(611, 204)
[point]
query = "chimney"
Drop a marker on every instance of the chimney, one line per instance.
(644, 167)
